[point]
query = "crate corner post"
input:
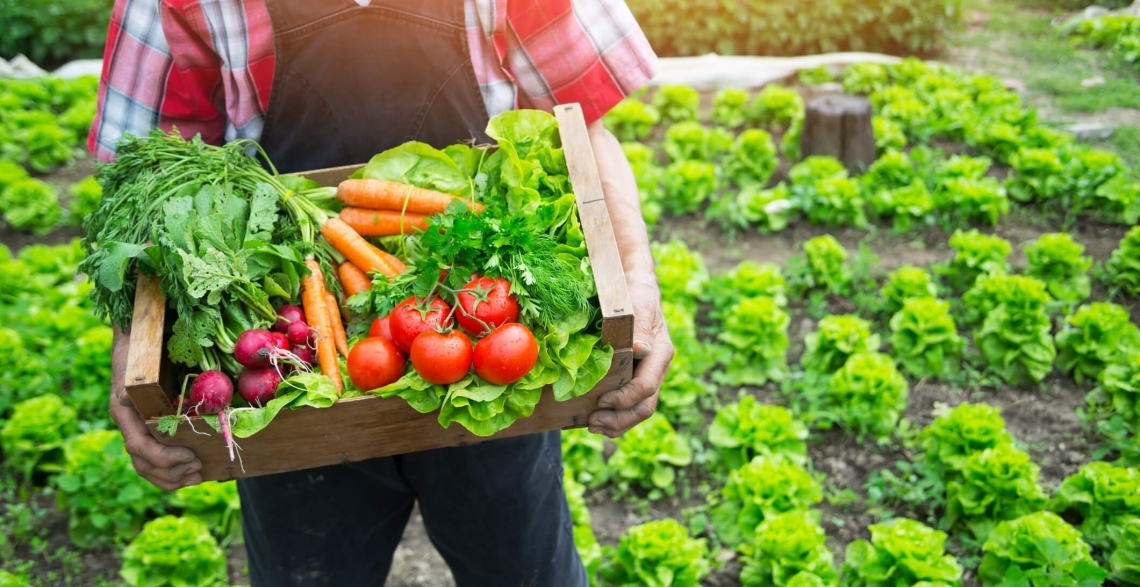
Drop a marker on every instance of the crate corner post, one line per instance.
(143, 377)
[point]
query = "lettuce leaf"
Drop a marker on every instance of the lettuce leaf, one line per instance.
(421, 165)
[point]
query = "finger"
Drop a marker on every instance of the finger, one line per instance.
(614, 423)
(646, 381)
(176, 474)
(643, 334)
(139, 442)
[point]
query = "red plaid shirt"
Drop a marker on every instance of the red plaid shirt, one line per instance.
(206, 66)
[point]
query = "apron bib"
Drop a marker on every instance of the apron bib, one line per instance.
(351, 81)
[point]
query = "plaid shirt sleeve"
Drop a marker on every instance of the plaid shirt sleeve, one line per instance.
(141, 86)
(557, 51)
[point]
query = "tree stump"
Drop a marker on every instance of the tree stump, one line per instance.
(839, 125)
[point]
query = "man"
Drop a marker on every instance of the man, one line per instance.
(321, 83)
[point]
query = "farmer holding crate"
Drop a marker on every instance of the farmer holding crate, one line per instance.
(323, 83)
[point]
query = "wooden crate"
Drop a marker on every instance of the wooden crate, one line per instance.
(368, 427)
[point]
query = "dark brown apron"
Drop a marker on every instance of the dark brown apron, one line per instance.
(351, 81)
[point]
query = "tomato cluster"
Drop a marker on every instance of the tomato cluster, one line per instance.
(423, 330)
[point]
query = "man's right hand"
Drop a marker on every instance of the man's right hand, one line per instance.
(167, 467)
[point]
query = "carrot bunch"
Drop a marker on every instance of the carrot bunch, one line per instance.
(376, 207)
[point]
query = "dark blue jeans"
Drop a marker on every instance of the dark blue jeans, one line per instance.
(496, 511)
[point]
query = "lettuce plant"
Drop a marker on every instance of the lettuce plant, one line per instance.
(32, 205)
(867, 395)
(999, 483)
(960, 201)
(814, 76)
(657, 554)
(648, 175)
(864, 78)
(963, 166)
(215, 503)
(687, 184)
(693, 141)
(767, 210)
(683, 385)
(681, 321)
(748, 279)
(1015, 336)
(976, 254)
(776, 107)
(681, 273)
(788, 545)
(990, 291)
(790, 144)
(968, 429)
(1123, 269)
(827, 265)
(728, 107)
(924, 338)
(585, 542)
(1116, 200)
(755, 339)
(892, 170)
(105, 499)
(822, 189)
(582, 456)
(10, 173)
(905, 283)
(900, 552)
(747, 429)
(836, 339)
(1039, 175)
(1105, 498)
(33, 437)
(648, 454)
(758, 490)
(1118, 395)
(1038, 549)
(753, 159)
(174, 552)
(1059, 261)
(631, 119)
(909, 206)
(1095, 336)
(889, 134)
(676, 103)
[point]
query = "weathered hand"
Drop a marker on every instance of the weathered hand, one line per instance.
(167, 467)
(636, 401)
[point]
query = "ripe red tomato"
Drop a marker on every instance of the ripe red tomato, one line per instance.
(381, 328)
(375, 362)
(440, 358)
(411, 318)
(506, 355)
(490, 301)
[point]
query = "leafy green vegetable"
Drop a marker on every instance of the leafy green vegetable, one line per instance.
(749, 279)
(755, 339)
(648, 454)
(867, 395)
(892, 170)
(1038, 549)
(909, 206)
(681, 273)
(1095, 336)
(900, 552)
(754, 158)
(631, 119)
(759, 490)
(1106, 499)
(584, 540)
(999, 483)
(1039, 175)
(683, 385)
(1116, 200)
(175, 552)
(1015, 334)
(837, 339)
(954, 436)
(976, 254)
(693, 141)
(904, 283)
(10, 173)
(105, 499)
(728, 107)
(676, 103)
(1058, 260)
(657, 554)
(864, 78)
(1118, 395)
(748, 429)
(32, 205)
(924, 338)
(776, 107)
(34, 436)
(827, 265)
(788, 545)
(687, 184)
(582, 456)
(87, 193)
(215, 503)
(1123, 269)
(889, 134)
(822, 189)
(815, 76)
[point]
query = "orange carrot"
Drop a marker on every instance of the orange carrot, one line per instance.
(369, 222)
(380, 194)
(339, 337)
(394, 262)
(352, 279)
(350, 244)
(314, 302)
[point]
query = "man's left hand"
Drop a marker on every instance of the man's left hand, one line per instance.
(636, 401)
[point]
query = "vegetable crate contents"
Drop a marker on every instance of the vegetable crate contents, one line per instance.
(430, 298)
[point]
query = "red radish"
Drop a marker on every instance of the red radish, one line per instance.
(258, 386)
(304, 353)
(253, 347)
(211, 392)
(289, 314)
(298, 333)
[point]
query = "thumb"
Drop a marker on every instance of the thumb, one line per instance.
(643, 334)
